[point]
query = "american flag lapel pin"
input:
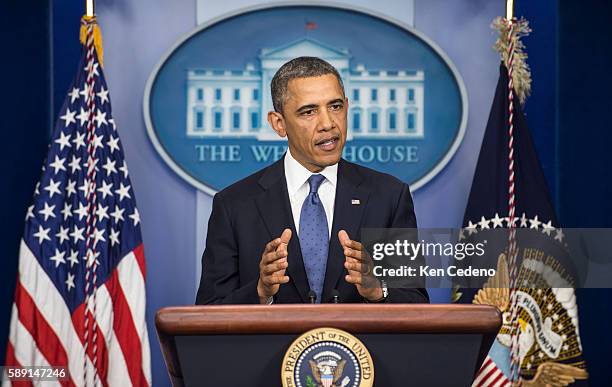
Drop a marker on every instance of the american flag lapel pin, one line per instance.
(355, 202)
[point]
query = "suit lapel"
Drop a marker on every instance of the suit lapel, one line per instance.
(275, 210)
(347, 216)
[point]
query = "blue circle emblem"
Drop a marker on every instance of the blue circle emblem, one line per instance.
(327, 362)
(206, 102)
(327, 357)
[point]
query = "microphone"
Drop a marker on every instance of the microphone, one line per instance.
(312, 297)
(335, 296)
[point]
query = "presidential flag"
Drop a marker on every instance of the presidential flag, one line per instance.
(80, 294)
(536, 297)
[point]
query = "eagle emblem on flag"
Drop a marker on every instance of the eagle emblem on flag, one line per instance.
(548, 336)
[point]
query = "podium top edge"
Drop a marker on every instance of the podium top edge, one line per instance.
(354, 318)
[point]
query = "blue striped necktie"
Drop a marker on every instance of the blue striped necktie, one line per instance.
(314, 236)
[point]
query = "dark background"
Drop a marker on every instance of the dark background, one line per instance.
(569, 55)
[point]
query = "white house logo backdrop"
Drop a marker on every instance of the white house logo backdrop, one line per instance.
(207, 101)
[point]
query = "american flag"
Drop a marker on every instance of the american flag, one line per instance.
(310, 25)
(81, 281)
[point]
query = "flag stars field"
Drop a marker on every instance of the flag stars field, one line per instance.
(484, 224)
(123, 192)
(99, 235)
(100, 118)
(109, 167)
(546, 228)
(534, 223)
(102, 212)
(523, 220)
(84, 187)
(77, 234)
(85, 92)
(83, 117)
(105, 190)
(117, 214)
(74, 94)
(68, 117)
(62, 235)
(70, 281)
(73, 258)
(81, 212)
(79, 140)
(135, 217)
(97, 141)
(95, 162)
(75, 164)
(58, 258)
(114, 237)
(113, 145)
(95, 69)
(124, 169)
(63, 141)
(53, 188)
(58, 164)
(47, 211)
(42, 234)
(103, 95)
(70, 188)
(30, 213)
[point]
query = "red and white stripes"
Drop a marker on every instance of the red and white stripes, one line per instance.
(44, 332)
(489, 375)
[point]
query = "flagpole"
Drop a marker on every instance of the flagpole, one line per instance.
(89, 8)
(509, 10)
(90, 18)
(88, 37)
(515, 366)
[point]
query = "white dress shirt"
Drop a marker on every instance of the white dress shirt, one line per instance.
(298, 188)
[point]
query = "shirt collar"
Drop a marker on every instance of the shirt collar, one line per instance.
(297, 175)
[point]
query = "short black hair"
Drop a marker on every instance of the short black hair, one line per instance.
(301, 67)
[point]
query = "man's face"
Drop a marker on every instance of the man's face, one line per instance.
(314, 120)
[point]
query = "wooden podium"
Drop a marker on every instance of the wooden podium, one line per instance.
(243, 345)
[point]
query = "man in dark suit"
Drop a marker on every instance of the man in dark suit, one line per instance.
(283, 234)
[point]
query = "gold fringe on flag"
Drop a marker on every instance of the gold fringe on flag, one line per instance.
(522, 74)
(85, 21)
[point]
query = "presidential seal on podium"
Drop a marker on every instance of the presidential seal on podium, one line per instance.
(327, 357)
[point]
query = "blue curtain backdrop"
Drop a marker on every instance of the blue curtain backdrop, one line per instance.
(25, 117)
(569, 59)
(584, 186)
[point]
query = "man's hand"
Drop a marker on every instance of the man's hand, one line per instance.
(359, 266)
(272, 267)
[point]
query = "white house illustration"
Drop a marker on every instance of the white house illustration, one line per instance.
(235, 103)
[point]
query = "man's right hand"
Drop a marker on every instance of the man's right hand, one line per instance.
(272, 267)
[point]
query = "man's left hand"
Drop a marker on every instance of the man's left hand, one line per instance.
(359, 267)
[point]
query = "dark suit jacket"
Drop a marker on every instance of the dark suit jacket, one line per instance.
(252, 212)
